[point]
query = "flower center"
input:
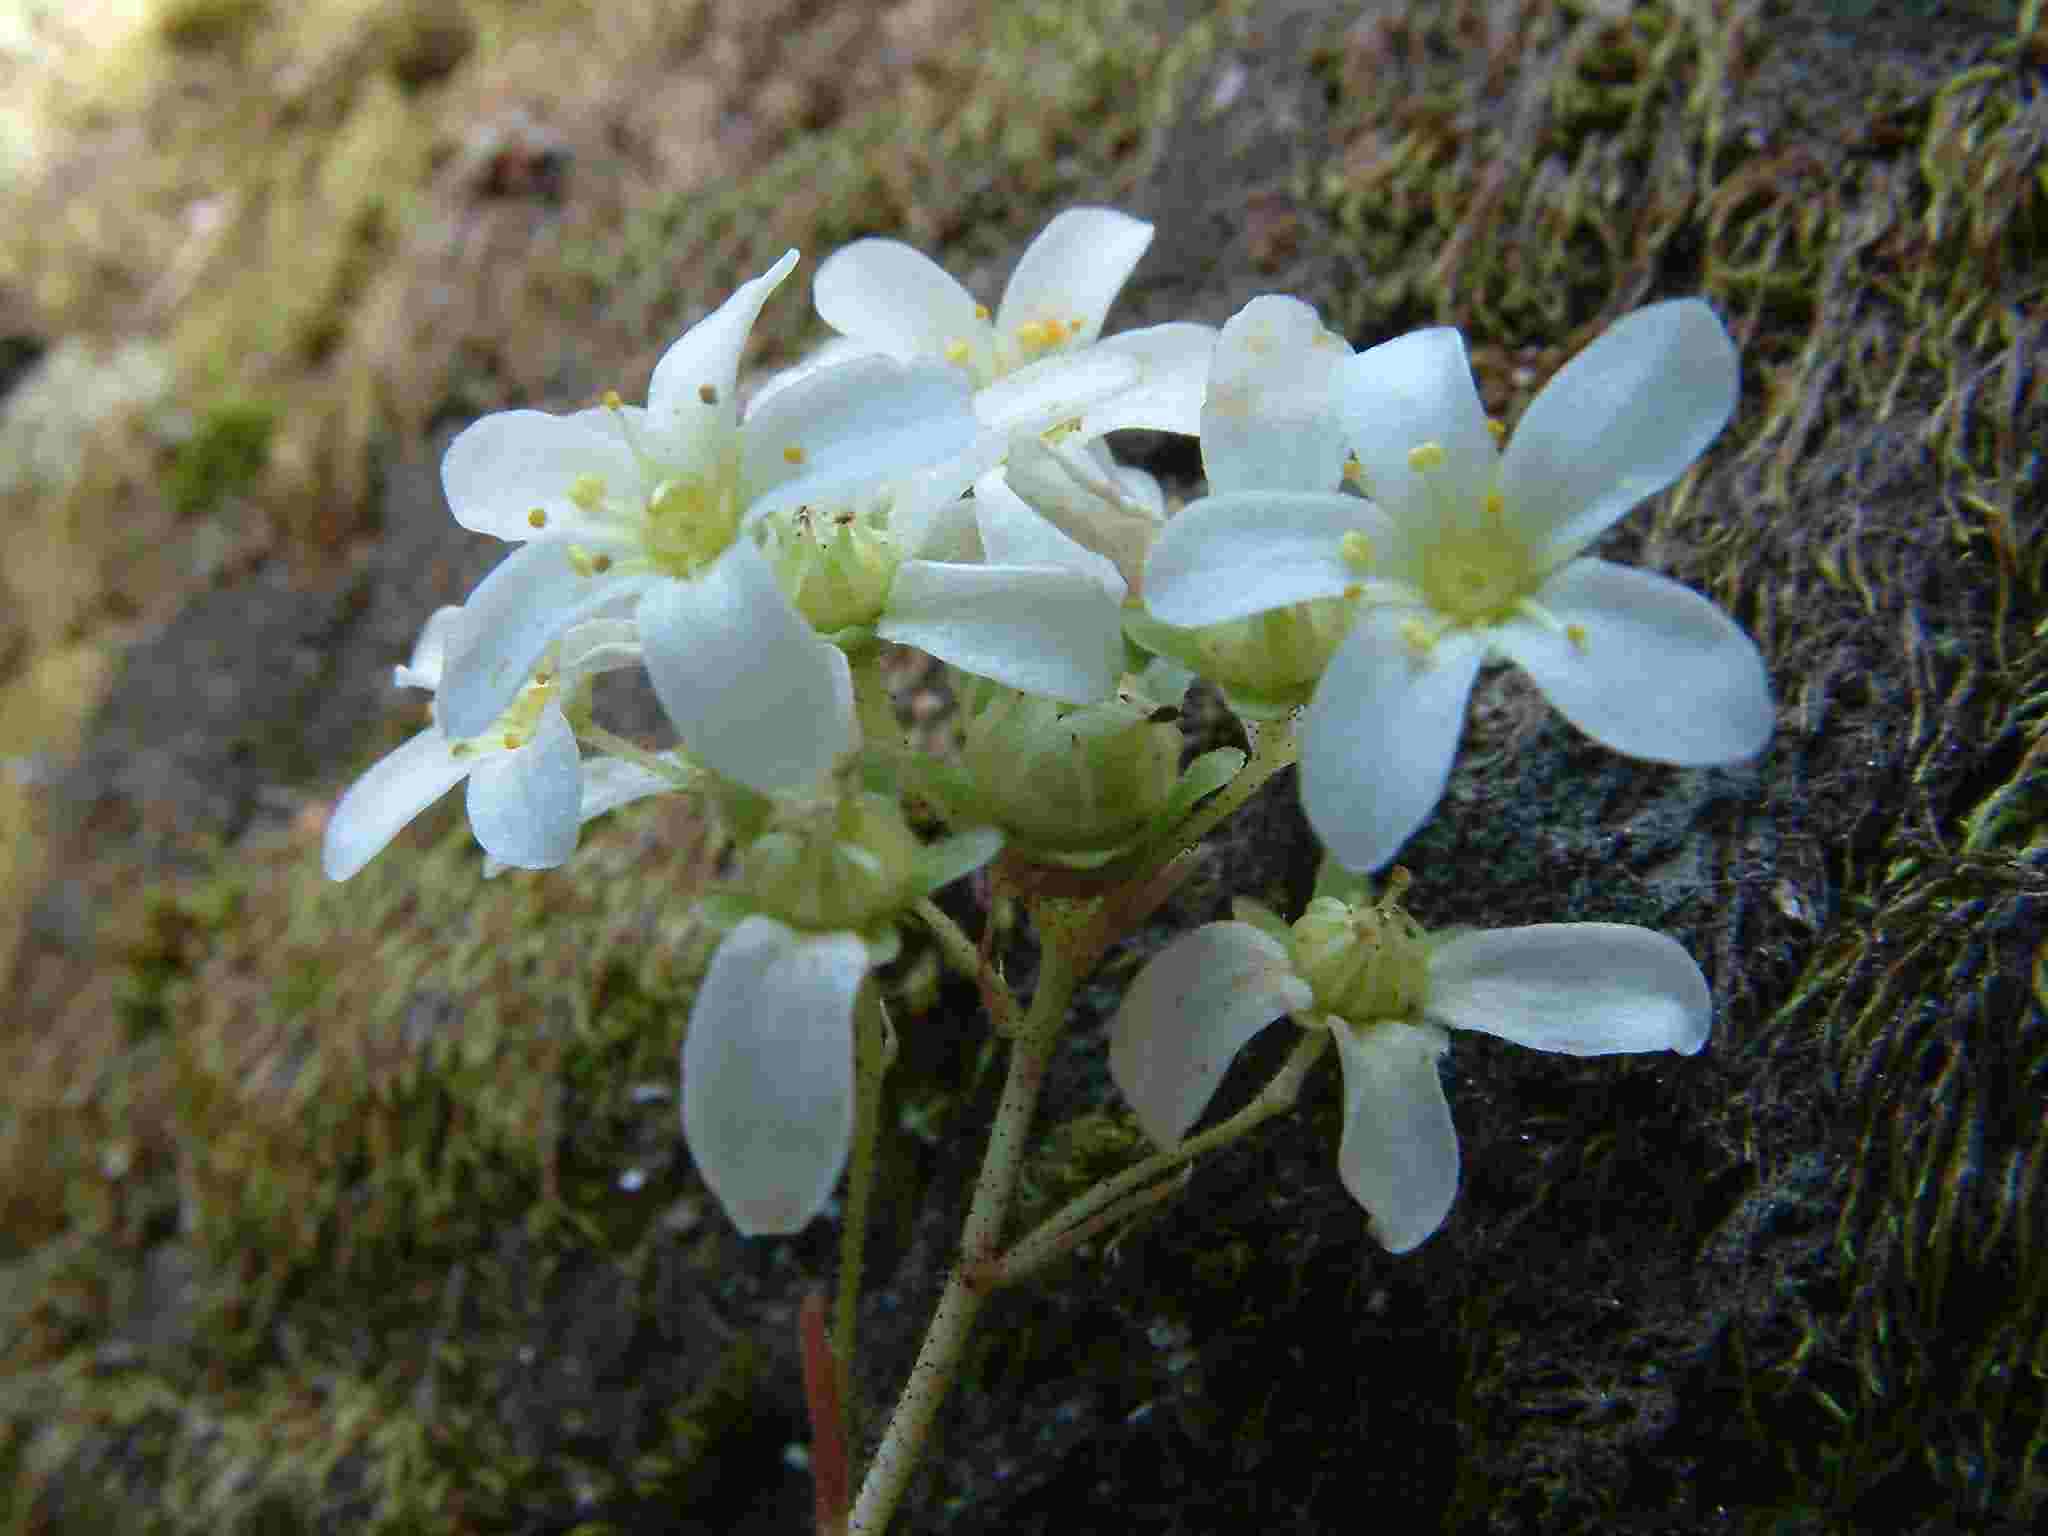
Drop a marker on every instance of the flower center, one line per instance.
(690, 522)
(1476, 569)
(1366, 964)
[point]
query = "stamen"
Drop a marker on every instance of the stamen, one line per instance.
(956, 351)
(580, 561)
(1498, 428)
(587, 491)
(1354, 471)
(1037, 334)
(1496, 507)
(1353, 592)
(537, 518)
(612, 402)
(1356, 549)
(981, 311)
(792, 454)
(1419, 637)
(1576, 634)
(514, 741)
(1424, 457)
(708, 393)
(601, 564)
(461, 749)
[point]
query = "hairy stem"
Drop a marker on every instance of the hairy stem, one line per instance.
(870, 1062)
(1078, 1219)
(945, 1341)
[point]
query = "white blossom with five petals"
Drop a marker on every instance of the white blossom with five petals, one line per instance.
(1464, 551)
(653, 509)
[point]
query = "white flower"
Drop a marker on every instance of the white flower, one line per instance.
(1038, 361)
(768, 1060)
(524, 770)
(1076, 485)
(1584, 989)
(653, 508)
(1464, 552)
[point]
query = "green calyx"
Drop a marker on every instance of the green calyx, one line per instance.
(1268, 664)
(1367, 962)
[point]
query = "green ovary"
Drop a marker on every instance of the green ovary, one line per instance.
(838, 868)
(691, 522)
(1477, 578)
(1364, 963)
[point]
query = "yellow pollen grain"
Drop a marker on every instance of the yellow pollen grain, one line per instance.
(1353, 470)
(956, 351)
(1424, 457)
(708, 393)
(587, 491)
(514, 741)
(981, 311)
(1039, 333)
(543, 679)
(460, 749)
(612, 402)
(1498, 428)
(1353, 592)
(537, 518)
(792, 454)
(601, 564)
(1576, 634)
(1496, 504)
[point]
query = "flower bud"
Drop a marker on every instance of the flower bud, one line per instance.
(1364, 963)
(1065, 779)
(843, 867)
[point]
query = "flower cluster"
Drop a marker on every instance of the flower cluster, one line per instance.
(940, 476)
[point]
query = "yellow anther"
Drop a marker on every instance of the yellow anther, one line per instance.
(543, 678)
(1356, 549)
(1353, 592)
(1576, 634)
(580, 562)
(1038, 334)
(1498, 428)
(461, 749)
(612, 402)
(1496, 505)
(514, 741)
(708, 393)
(1424, 457)
(1419, 637)
(981, 311)
(601, 564)
(1353, 470)
(792, 454)
(956, 351)
(587, 491)
(1074, 327)
(537, 518)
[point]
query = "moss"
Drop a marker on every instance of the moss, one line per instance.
(223, 456)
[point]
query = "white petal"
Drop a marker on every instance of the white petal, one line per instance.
(440, 636)
(523, 804)
(1054, 389)
(515, 613)
(1661, 674)
(1399, 1155)
(599, 645)
(1414, 390)
(1225, 557)
(768, 1072)
(1037, 628)
(377, 807)
(1380, 734)
(830, 354)
(844, 428)
(499, 470)
(898, 300)
(690, 400)
(1087, 495)
(1619, 422)
(1188, 1014)
(929, 515)
(1173, 374)
(1584, 989)
(1073, 271)
(1270, 420)
(1012, 533)
(755, 694)
(611, 782)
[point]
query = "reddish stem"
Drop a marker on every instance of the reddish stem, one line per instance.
(831, 1480)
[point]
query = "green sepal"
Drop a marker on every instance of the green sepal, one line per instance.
(1260, 916)
(943, 862)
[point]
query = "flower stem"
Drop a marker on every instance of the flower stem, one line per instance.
(870, 1062)
(1074, 1222)
(967, 1287)
(1273, 747)
(965, 957)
